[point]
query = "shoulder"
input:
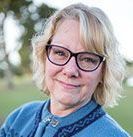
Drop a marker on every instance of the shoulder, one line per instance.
(110, 127)
(21, 116)
(105, 126)
(26, 110)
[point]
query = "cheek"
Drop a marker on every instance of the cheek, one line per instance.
(51, 71)
(93, 78)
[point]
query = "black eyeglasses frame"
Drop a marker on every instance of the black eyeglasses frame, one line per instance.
(49, 46)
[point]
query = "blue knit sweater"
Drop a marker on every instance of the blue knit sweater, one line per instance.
(35, 120)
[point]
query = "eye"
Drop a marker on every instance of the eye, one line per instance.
(59, 52)
(89, 60)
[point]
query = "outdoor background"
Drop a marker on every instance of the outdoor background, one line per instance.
(19, 21)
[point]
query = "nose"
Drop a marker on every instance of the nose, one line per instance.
(71, 69)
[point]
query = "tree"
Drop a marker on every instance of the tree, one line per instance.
(29, 17)
(4, 56)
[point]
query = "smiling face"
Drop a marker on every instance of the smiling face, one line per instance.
(70, 87)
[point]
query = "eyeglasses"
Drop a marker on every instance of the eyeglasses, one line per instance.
(86, 61)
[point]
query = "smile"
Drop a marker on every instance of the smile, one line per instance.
(68, 85)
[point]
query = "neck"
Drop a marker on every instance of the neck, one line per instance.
(62, 110)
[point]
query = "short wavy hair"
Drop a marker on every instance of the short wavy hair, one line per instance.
(96, 33)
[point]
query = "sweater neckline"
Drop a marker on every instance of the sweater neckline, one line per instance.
(71, 124)
(69, 119)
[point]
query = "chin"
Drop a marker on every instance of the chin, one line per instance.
(67, 101)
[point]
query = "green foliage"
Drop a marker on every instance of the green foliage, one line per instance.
(1, 73)
(16, 70)
(28, 16)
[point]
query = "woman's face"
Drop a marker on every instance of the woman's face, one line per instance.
(68, 85)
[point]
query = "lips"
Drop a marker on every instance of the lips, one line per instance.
(68, 85)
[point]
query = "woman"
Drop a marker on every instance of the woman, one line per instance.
(77, 63)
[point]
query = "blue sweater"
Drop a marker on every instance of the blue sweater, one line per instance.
(35, 120)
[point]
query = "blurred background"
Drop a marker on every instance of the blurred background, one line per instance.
(20, 20)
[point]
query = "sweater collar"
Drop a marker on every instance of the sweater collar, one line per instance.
(71, 118)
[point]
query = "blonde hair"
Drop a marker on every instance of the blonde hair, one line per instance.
(97, 35)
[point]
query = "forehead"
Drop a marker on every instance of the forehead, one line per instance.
(67, 34)
(86, 36)
(67, 27)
